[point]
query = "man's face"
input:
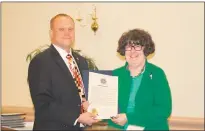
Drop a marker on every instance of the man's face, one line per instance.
(63, 32)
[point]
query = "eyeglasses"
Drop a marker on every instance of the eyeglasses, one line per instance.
(135, 47)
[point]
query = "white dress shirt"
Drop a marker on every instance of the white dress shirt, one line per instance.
(63, 55)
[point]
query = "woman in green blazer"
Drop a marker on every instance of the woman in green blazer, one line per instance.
(144, 92)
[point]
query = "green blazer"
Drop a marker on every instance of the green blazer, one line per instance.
(153, 102)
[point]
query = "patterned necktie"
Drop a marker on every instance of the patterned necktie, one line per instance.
(77, 78)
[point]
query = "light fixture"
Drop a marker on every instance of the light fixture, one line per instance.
(94, 25)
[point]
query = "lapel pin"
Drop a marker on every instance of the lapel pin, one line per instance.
(150, 76)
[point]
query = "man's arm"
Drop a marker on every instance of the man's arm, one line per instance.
(46, 107)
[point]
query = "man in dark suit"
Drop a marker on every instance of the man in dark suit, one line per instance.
(53, 90)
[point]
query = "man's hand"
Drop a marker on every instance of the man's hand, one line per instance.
(85, 105)
(120, 119)
(87, 118)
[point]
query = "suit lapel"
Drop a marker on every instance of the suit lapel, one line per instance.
(59, 61)
(77, 59)
(125, 86)
(146, 80)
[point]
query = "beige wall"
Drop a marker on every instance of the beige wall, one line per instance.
(177, 29)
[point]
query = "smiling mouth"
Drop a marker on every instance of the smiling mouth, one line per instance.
(134, 56)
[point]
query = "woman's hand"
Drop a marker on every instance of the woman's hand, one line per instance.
(120, 119)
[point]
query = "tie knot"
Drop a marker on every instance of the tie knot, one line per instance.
(69, 56)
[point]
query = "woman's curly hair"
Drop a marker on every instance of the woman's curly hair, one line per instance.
(142, 37)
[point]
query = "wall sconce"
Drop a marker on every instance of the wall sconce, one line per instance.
(94, 25)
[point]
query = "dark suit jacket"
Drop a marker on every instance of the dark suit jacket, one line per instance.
(53, 91)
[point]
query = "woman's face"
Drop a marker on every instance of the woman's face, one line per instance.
(134, 54)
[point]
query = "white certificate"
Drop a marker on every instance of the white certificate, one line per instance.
(103, 95)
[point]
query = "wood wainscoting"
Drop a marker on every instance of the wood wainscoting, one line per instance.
(176, 123)
(186, 123)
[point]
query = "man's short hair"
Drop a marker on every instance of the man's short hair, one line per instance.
(58, 15)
